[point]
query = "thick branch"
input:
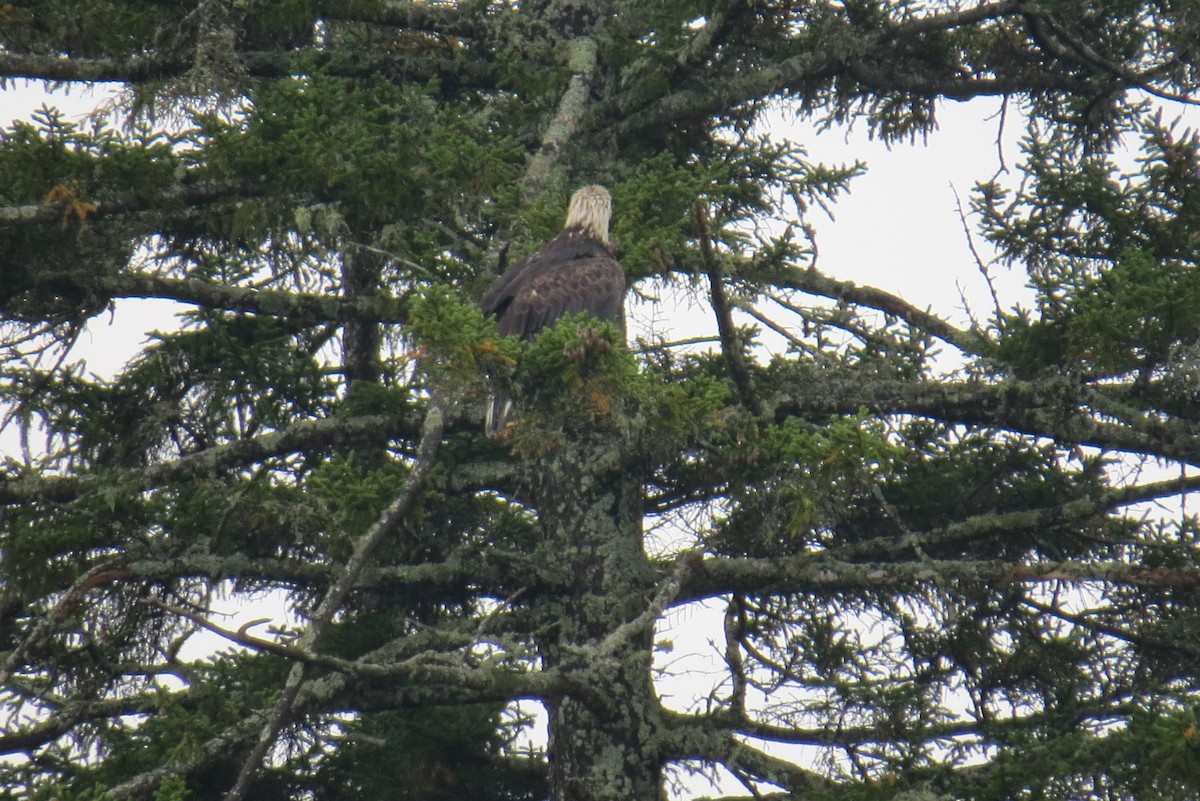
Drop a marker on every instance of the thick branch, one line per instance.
(430, 579)
(687, 739)
(1054, 407)
(814, 282)
(815, 573)
(416, 69)
(171, 197)
(856, 64)
(867, 58)
(571, 109)
(326, 433)
(949, 20)
(306, 306)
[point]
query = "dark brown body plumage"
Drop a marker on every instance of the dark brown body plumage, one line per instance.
(573, 272)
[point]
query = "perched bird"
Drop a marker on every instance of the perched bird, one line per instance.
(573, 272)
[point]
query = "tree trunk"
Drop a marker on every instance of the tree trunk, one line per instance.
(606, 753)
(602, 733)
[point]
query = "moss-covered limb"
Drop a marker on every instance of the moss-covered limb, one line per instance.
(711, 740)
(812, 573)
(814, 282)
(302, 306)
(237, 567)
(973, 529)
(1053, 407)
(429, 579)
(684, 729)
(572, 107)
(876, 59)
(475, 74)
(1150, 409)
(90, 70)
(64, 714)
(745, 760)
(423, 683)
(304, 436)
(633, 630)
(981, 527)
(32, 213)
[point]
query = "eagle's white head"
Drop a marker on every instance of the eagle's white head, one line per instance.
(590, 209)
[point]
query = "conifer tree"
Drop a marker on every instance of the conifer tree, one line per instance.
(948, 561)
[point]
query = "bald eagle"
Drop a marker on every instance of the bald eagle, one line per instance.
(573, 272)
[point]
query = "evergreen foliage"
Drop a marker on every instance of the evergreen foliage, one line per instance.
(938, 562)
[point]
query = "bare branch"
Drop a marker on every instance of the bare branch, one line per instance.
(668, 591)
(979, 262)
(392, 516)
(814, 282)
